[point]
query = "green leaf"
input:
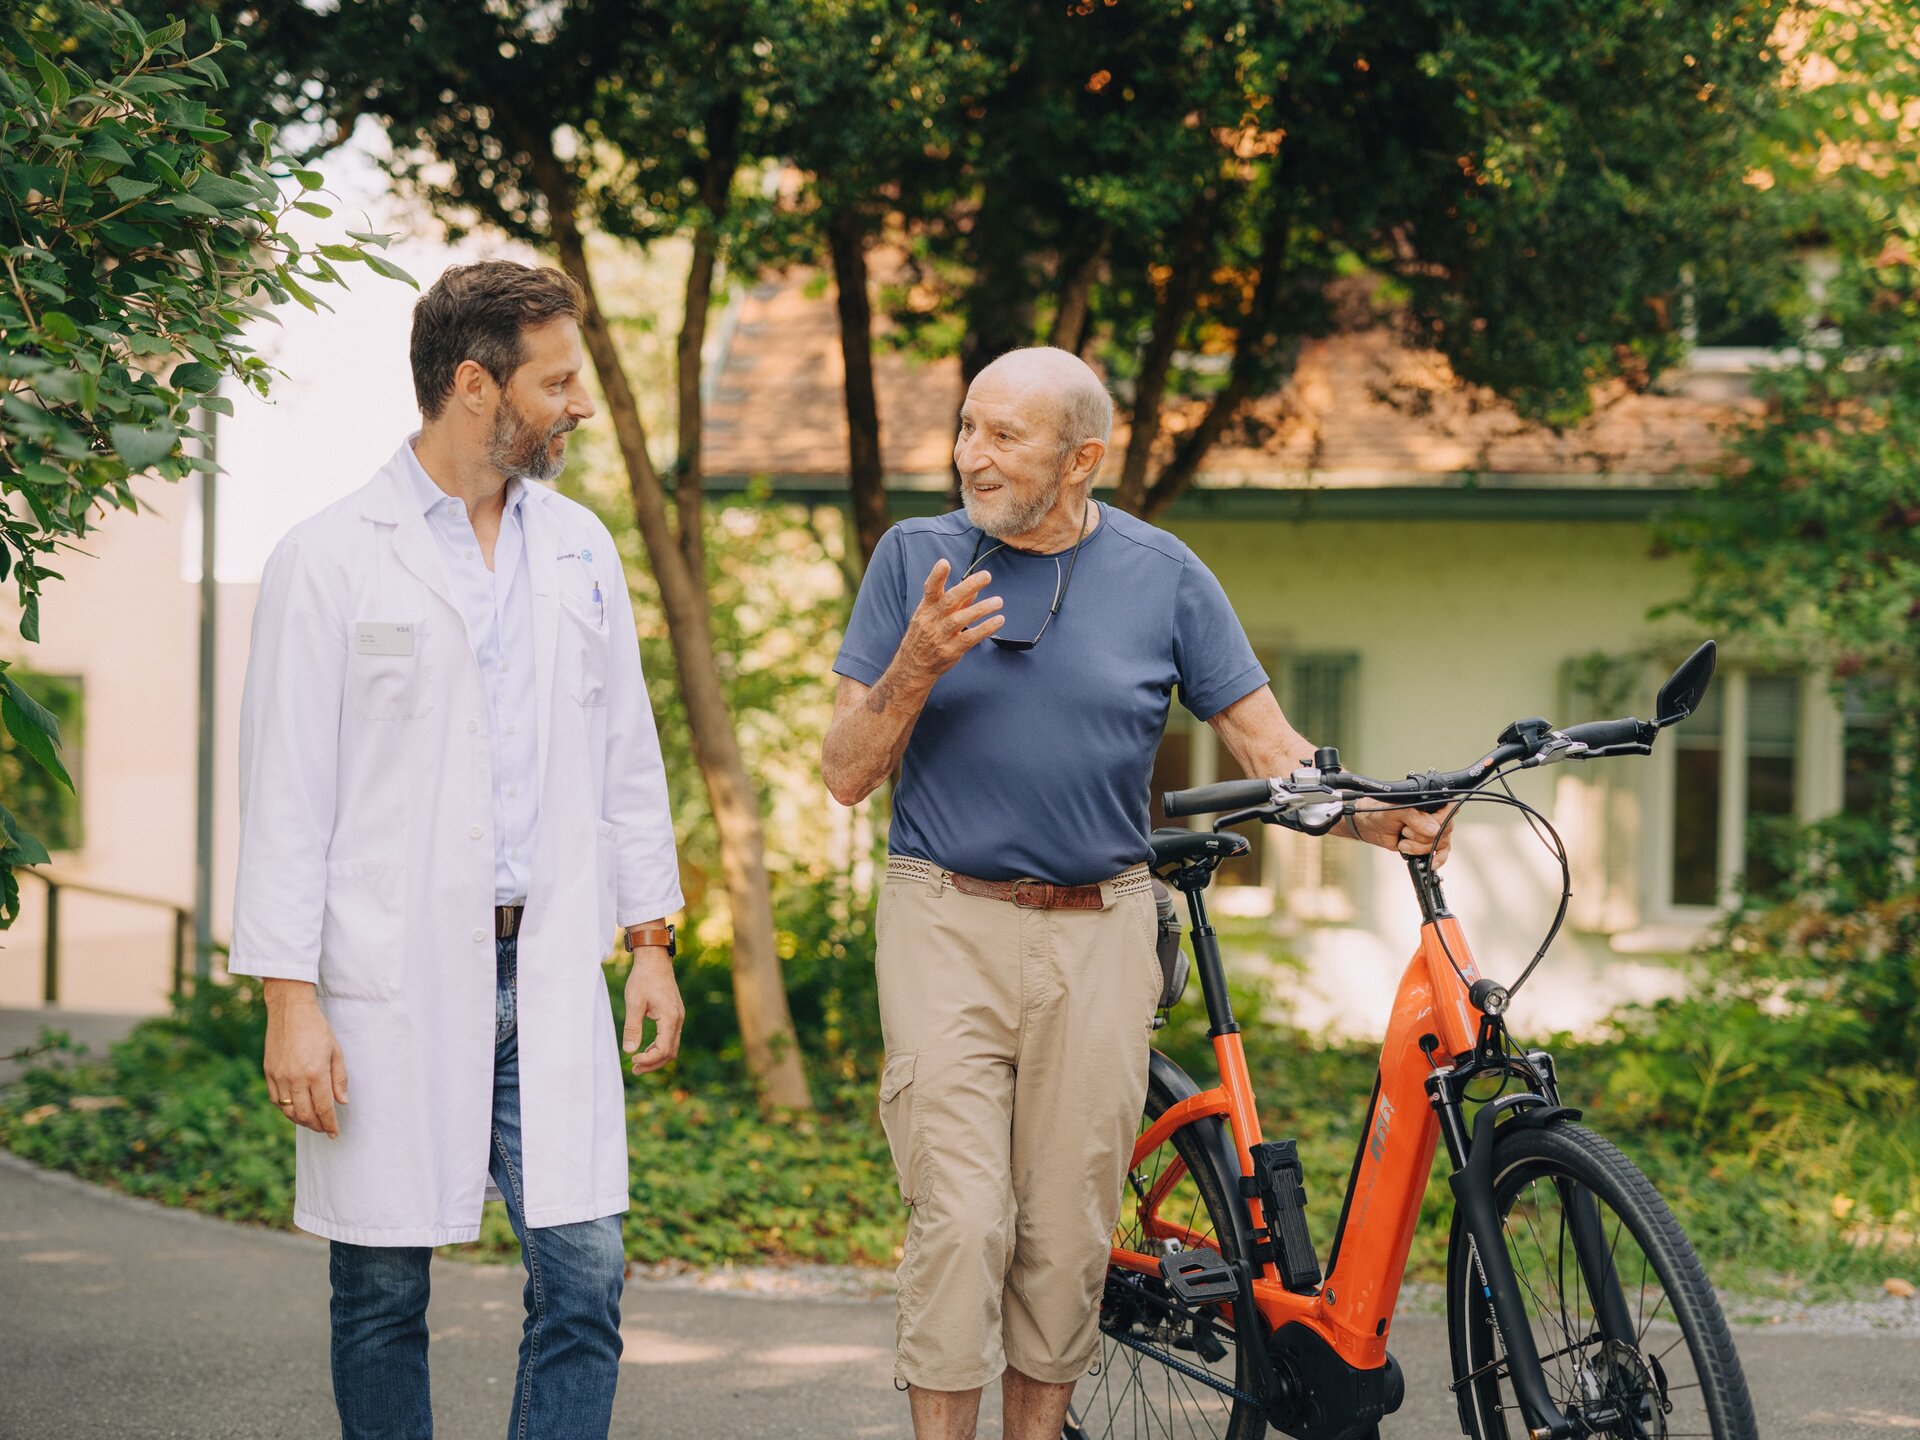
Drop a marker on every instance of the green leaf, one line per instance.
(192, 204)
(33, 726)
(380, 265)
(104, 147)
(194, 378)
(20, 848)
(309, 179)
(228, 194)
(370, 237)
(60, 326)
(219, 404)
(314, 207)
(126, 191)
(53, 85)
(143, 449)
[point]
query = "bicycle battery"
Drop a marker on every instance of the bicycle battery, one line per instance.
(1278, 1184)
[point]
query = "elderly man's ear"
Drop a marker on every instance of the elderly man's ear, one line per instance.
(1086, 459)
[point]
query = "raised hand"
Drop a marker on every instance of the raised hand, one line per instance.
(946, 624)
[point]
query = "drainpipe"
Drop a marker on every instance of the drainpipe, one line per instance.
(209, 657)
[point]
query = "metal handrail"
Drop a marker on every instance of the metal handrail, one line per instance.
(182, 924)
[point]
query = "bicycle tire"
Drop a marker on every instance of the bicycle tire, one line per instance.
(1109, 1413)
(1629, 1381)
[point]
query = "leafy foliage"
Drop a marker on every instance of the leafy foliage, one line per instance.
(132, 266)
(1808, 544)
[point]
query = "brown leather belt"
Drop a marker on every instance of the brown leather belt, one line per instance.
(506, 920)
(1031, 894)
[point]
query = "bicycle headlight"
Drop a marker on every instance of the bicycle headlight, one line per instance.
(1489, 997)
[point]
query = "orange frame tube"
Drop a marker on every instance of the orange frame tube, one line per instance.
(1353, 1309)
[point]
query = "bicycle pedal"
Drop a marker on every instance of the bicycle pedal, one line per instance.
(1200, 1277)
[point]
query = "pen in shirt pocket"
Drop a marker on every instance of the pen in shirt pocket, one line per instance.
(599, 605)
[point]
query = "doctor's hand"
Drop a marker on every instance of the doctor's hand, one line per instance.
(306, 1073)
(653, 993)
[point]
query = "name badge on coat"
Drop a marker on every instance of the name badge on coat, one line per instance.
(383, 637)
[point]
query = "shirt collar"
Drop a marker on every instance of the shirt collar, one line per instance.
(427, 494)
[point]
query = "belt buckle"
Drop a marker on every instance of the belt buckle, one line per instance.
(1046, 895)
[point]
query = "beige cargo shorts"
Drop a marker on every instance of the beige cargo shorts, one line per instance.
(1016, 1067)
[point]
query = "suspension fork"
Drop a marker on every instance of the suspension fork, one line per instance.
(1472, 1185)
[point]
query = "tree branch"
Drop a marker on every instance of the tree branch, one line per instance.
(1189, 266)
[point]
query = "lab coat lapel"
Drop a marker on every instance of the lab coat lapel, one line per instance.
(415, 548)
(542, 538)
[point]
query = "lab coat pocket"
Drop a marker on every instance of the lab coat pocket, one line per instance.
(608, 857)
(390, 687)
(360, 936)
(583, 654)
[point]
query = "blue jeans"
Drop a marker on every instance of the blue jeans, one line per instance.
(570, 1345)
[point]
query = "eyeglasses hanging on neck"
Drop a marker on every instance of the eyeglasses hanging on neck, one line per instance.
(1061, 579)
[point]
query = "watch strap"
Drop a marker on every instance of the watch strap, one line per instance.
(639, 937)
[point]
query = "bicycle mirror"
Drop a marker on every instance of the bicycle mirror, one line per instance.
(1685, 688)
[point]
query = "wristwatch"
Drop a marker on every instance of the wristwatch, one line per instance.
(638, 938)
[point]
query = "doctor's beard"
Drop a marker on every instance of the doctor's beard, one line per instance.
(517, 448)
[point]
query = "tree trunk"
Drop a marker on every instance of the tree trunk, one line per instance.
(716, 184)
(766, 1024)
(1191, 252)
(866, 479)
(1070, 320)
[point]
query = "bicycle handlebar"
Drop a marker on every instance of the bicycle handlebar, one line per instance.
(1531, 742)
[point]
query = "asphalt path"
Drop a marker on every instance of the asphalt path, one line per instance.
(124, 1321)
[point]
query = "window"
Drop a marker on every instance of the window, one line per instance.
(41, 805)
(1766, 753)
(1868, 747)
(1314, 880)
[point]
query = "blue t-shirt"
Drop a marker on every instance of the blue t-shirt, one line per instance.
(1038, 763)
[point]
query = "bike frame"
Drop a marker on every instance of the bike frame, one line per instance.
(1436, 1040)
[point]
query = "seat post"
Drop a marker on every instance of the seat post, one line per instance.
(1206, 959)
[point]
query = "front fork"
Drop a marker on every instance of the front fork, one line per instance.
(1472, 1183)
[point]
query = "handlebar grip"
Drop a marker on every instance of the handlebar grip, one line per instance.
(1205, 799)
(1605, 735)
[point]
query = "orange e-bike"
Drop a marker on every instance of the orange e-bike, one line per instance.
(1575, 1305)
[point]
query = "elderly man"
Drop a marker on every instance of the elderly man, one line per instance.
(450, 791)
(1017, 1021)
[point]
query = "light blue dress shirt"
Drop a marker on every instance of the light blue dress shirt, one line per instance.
(497, 606)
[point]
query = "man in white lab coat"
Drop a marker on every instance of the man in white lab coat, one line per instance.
(450, 792)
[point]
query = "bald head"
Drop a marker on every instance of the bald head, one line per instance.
(1081, 405)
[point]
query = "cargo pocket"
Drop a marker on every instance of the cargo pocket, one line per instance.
(896, 1118)
(1147, 938)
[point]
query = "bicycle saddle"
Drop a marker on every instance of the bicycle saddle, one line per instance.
(1174, 849)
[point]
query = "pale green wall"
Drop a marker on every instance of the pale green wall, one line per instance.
(1460, 627)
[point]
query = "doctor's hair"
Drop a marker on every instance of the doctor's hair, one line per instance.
(477, 312)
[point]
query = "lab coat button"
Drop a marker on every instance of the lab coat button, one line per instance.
(475, 832)
(478, 934)
(472, 726)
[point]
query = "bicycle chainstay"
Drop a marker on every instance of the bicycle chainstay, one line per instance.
(1192, 1372)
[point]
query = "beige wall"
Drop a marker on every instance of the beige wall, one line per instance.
(1459, 628)
(126, 621)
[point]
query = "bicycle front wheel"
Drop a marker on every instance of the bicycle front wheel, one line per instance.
(1631, 1338)
(1167, 1370)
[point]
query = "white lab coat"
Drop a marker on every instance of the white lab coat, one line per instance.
(367, 862)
